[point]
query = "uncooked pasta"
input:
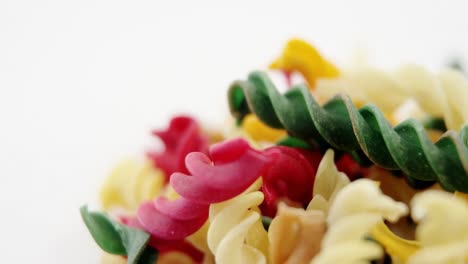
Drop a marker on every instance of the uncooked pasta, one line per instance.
(356, 166)
(236, 233)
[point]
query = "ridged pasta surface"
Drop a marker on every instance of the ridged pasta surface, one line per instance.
(181, 137)
(439, 95)
(236, 233)
(328, 182)
(231, 168)
(442, 230)
(357, 208)
(130, 183)
(340, 125)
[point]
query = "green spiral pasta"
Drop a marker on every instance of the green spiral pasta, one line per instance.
(339, 124)
(439, 95)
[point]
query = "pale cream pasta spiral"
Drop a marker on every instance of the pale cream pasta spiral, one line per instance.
(356, 210)
(328, 182)
(199, 240)
(442, 230)
(236, 233)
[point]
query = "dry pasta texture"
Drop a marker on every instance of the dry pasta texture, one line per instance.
(328, 182)
(300, 56)
(438, 95)
(363, 131)
(356, 209)
(295, 235)
(130, 183)
(442, 229)
(236, 233)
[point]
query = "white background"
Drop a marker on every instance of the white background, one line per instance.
(83, 82)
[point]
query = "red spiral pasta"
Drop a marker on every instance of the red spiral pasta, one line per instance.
(289, 177)
(181, 137)
(232, 167)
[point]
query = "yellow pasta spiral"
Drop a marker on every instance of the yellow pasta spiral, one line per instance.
(236, 233)
(130, 183)
(259, 131)
(300, 56)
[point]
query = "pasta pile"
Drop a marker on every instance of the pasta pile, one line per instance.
(352, 166)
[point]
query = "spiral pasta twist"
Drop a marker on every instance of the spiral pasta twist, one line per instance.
(436, 211)
(357, 208)
(198, 240)
(181, 137)
(439, 95)
(131, 183)
(328, 182)
(339, 124)
(295, 235)
(260, 132)
(236, 233)
(299, 55)
(233, 167)
(288, 178)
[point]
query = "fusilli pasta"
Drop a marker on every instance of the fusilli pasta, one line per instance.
(181, 137)
(340, 125)
(440, 95)
(295, 235)
(289, 177)
(261, 132)
(442, 229)
(233, 166)
(328, 182)
(299, 55)
(269, 194)
(357, 208)
(236, 234)
(131, 183)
